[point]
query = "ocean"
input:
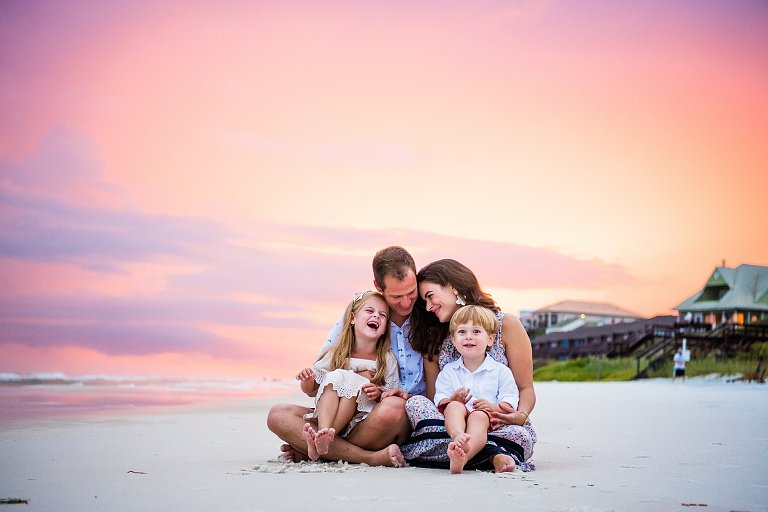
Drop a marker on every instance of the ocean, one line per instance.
(54, 395)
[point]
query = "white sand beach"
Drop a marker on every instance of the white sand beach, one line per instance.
(636, 446)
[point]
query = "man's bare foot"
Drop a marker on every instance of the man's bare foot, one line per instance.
(310, 436)
(290, 454)
(395, 456)
(503, 463)
(458, 457)
(323, 440)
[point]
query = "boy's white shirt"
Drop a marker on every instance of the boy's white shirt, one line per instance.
(491, 381)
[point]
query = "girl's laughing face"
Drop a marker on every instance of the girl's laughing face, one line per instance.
(371, 319)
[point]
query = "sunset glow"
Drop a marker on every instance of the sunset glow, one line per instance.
(198, 188)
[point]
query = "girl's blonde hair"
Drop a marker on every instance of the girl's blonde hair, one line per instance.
(341, 350)
(475, 315)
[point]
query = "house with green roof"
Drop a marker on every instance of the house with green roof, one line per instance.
(730, 296)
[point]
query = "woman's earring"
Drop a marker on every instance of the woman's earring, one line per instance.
(460, 300)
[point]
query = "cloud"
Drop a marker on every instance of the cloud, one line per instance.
(56, 231)
(66, 165)
(498, 263)
(287, 272)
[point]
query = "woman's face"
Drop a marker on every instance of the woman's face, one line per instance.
(370, 321)
(441, 300)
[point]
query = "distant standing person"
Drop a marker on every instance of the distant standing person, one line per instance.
(679, 360)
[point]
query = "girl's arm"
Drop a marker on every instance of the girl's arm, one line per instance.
(307, 383)
(520, 358)
(431, 369)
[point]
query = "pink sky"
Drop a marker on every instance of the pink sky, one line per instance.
(194, 189)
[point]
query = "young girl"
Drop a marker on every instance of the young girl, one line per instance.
(351, 375)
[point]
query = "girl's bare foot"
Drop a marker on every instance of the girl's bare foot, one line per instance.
(310, 436)
(503, 463)
(323, 440)
(458, 457)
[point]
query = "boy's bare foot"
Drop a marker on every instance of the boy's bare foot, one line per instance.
(310, 436)
(323, 440)
(458, 457)
(503, 463)
(463, 441)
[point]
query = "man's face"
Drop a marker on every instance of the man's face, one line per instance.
(400, 295)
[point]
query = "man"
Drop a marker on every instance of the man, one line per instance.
(679, 362)
(394, 276)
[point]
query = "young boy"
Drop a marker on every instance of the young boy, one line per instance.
(473, 375)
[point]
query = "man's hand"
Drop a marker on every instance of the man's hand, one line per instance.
(396, 392)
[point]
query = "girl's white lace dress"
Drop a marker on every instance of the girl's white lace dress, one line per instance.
(347, 383)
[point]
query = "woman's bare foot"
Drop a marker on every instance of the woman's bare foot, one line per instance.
(458, 457)
(391, 456)
(503, 463)
(323, 440)
(310, 436)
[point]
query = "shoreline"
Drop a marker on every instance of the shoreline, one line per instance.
(636, 446)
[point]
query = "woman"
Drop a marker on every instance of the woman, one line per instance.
(444, 286)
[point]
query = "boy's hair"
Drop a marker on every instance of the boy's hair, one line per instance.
(392, 261)
(475, 315)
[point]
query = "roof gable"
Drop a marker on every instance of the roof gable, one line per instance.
(717, 278)
(742, 288)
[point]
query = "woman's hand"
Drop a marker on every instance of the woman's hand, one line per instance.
(461, 395)
(306, 374)
(372, 391)
(507, 416)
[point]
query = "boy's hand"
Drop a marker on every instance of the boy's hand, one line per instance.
(306, 374)
(484, 405)
(461, 395)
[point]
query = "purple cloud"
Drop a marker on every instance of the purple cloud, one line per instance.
(292, 267)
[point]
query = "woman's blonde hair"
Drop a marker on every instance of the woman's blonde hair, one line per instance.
(475, 315)
(341, 349)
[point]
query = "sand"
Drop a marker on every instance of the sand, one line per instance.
(636, 446)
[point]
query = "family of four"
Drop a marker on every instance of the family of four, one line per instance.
(426, 369)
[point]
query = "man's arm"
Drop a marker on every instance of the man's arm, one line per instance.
(332, 336)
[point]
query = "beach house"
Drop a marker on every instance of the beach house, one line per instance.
(730, 296)
(569, 315)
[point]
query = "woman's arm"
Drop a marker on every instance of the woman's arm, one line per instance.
(520, 359)
(431, 369)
